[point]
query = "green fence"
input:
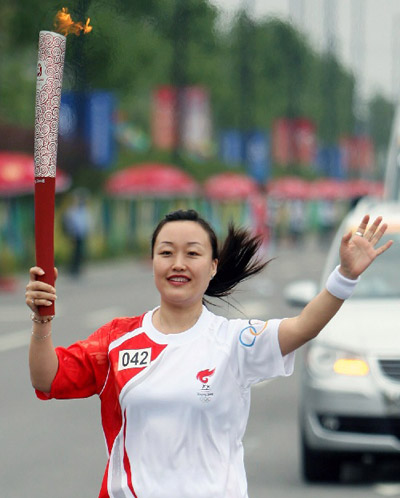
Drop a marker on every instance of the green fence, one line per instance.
(118, 226)
(124, 226)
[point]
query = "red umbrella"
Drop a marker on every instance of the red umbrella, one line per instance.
(360, 187)
(17, 175)
(329, 188)
(289, 187)
(230, 186)
(151, 179)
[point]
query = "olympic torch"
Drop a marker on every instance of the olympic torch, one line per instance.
(50, 70)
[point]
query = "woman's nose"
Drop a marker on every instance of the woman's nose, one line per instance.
(179, 263)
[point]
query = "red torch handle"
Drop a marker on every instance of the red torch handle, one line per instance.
(44, 232)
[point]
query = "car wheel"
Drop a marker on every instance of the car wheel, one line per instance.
(319, 466)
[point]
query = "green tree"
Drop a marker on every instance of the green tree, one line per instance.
(255, 70)
(381, 114)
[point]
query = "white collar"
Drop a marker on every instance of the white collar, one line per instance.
(180, 337)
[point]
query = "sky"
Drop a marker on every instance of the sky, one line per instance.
(366, 34)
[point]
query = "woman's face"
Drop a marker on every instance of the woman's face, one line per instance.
(182, 263)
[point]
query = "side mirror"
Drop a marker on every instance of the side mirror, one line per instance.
(300, 293)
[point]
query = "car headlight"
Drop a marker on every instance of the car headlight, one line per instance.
(326, 361)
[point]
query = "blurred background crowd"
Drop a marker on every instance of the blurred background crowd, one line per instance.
(172, 104)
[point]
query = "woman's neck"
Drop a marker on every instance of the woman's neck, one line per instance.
(173, 320)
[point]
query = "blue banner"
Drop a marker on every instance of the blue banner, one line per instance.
(70, 116)
(330, 162)
(99, 127)
(257, 155)
(89, 117)
(231, 147)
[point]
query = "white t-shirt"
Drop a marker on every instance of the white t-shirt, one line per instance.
(183, 402)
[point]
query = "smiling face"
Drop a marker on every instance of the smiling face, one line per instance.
(182, 263)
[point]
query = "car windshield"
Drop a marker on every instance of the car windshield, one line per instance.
(380, 280)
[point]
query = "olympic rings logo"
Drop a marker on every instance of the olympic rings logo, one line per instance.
(253, 332)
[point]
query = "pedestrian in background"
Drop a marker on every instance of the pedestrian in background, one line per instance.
(174, 383)
(297, 221)
(327, 220)
(76, 225)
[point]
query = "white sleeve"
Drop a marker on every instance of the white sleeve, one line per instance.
(256, 354)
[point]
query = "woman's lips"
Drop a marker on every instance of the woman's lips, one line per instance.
(178, 280)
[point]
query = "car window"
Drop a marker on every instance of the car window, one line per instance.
(381, 280)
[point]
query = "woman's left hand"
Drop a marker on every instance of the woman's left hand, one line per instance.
(357, 251)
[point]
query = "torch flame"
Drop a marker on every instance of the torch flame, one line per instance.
(64, 24)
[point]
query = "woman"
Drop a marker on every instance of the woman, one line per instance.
(175, 382)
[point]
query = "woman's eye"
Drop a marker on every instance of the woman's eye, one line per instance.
(193, 253)
(165, 253)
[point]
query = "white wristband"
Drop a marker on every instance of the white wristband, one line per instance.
(340, 286)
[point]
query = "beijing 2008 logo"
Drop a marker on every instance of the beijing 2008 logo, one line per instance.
(249, 334)
(205, 394)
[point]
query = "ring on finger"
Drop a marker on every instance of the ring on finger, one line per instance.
(33, 301)
(360, 234)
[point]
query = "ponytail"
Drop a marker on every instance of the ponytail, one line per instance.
(237, 262)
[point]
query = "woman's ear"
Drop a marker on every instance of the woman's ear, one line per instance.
(214, 268)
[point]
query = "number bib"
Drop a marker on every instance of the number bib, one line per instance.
(134, 358)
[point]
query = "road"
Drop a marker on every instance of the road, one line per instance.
(56, 448)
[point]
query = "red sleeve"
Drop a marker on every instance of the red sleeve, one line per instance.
(82, 367)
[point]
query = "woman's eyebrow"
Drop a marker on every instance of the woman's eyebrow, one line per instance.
(188, 243)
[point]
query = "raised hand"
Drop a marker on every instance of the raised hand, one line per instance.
(358, 251)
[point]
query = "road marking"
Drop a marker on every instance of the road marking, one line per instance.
(21, 338)
(14, 340)
(20, 313)
(387, 489)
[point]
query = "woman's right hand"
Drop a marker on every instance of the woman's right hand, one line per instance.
(39, 293)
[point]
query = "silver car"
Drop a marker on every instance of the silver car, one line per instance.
(350, 383)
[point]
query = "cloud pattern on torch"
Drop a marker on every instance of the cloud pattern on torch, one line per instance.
(48, 96)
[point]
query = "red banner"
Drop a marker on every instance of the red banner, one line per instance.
(281, 143)
(305, 143)
(196, 121)
(293, 141)
(359, 153)
(164, 120)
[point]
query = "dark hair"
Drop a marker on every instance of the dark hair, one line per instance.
(237, 258)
